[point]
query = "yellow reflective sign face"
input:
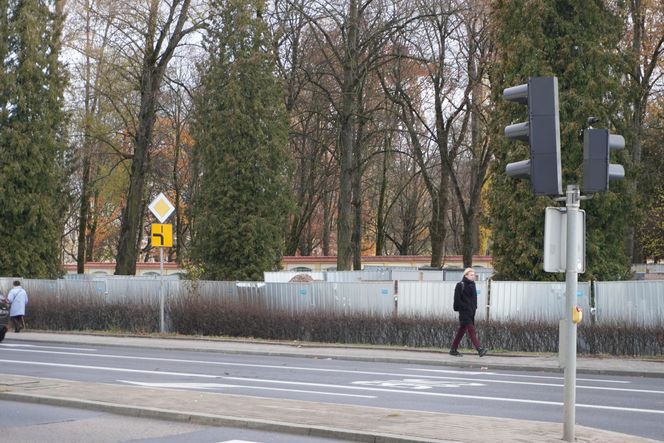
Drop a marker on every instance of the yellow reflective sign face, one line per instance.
(162, 235)
(161, 207)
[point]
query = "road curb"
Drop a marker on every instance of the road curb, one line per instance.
(214, 420)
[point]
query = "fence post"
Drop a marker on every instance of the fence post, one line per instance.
(395, 310)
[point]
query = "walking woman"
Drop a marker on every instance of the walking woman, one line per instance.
(18, 299)
(465, 302)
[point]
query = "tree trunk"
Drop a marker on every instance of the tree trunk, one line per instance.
(327, 222)
(92, 228)
(84, 212)
(357, 195)
(380, 222)
(293, 238)
(467, 246)
(638, 107)
(345, 217)
(90, 106)
(346, 139)
(357, 217)
(155, 60)
(437, 225)
(131, 216)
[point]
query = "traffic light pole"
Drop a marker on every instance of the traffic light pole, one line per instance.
(543, 169)
(571, 286)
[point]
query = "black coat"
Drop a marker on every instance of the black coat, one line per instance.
(465, 296)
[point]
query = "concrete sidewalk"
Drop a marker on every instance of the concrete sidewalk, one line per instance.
(354, 423)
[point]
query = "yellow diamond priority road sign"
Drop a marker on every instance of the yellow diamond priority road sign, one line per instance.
(161, 207)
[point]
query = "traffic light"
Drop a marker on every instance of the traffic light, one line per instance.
(541, 131)
(597, 169)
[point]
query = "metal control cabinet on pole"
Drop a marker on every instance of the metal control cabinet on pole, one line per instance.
(543, 169)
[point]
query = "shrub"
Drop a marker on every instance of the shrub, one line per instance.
(197, 315)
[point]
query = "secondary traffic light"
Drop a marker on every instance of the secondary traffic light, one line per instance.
(597, 169)
(541, 131)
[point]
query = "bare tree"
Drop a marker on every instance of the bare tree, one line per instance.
(350, 38)
(89, 30)
(152, 36)
(121, 52)
(437, 128)
(470, 173)
(645, 43)
(173, 155)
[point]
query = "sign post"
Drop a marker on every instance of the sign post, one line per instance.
(162, 237)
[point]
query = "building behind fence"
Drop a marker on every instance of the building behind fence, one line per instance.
(639, 303)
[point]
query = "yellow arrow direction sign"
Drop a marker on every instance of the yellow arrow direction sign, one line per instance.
(162, 235)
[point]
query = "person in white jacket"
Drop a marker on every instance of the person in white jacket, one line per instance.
(18, 299)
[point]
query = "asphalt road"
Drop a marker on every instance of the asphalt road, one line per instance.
(629, 405)
(28, 423)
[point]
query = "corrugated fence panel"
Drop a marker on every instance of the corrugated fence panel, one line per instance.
(632, 302)
(285, 276)
(426, 299)
(433, 276)
(483, 274)
(303, 297)
(31, 286)
(368, 298)
(343, 276)
(340, 298)
(324, 297)
(418, 275)
(211, 289)
(533, 301)
(82, 288)
(455, 276)
(435, 299)
(408, 275)
(143, 289)
(376, 275)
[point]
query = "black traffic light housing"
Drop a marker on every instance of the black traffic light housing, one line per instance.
(597, 169)
(541, 131)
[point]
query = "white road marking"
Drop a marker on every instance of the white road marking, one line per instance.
(106, 368)
(441, 394)
(517, 375)
(414, 383)
(12, 345)
(343, 387)
(221, 386)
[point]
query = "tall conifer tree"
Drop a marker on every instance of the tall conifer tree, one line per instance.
(31, 139)
(241, 131)
(576, 42)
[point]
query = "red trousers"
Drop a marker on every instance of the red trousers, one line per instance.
(471, 333)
